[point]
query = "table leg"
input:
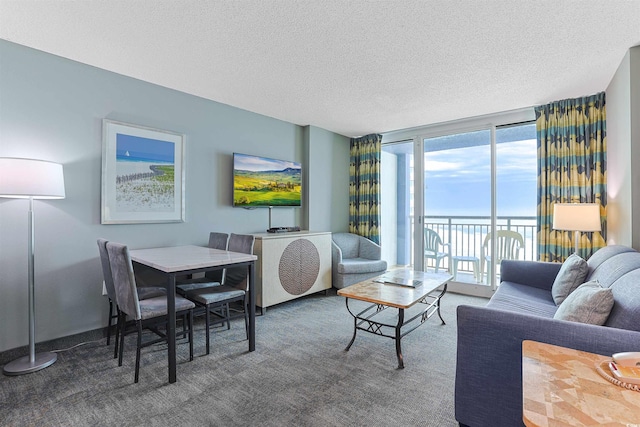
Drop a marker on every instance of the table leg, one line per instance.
(252, 306)
(355, 323)
(171, 326)
(399, 337)
(439, 298)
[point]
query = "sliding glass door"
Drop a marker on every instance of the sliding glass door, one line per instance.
(457, 203)
(451, 201)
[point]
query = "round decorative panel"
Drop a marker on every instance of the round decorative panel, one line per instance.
(299, 266)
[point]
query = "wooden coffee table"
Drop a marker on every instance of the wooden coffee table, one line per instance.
(385, 295)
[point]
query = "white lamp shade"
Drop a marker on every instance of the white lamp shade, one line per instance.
(24, 178)
(576, 216)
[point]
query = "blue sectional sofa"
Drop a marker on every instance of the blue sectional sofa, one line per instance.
(488, 386)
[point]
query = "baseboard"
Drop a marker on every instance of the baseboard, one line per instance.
(55, 344)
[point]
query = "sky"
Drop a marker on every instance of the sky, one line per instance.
(458, 172)
(458, 181)
(144, 149)
(255, 163)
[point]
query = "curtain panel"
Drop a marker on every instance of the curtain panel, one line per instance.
(364, 186)
(572, 168)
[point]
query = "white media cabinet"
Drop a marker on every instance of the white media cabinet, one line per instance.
(291, 265)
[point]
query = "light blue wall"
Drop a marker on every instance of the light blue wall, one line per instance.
(52, 108)
(326, 198)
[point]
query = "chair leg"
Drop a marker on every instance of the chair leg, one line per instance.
(184, 325)
(118, 332)
(191, 335)
(139, 347)
(109, 323)
(121, 319)
(245, 303)
(228, 315)
(207, 322)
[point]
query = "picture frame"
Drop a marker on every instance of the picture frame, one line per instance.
(142, 174)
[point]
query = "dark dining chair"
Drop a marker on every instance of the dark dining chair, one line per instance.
(143, 292)
(234, 289)
(211, 278)
(146, 313)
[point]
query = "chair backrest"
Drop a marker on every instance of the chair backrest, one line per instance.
(348, 243)
(106, 270)
(237, 276)
(217, 241)
(432, 242)
(508, 244)
(124, 279)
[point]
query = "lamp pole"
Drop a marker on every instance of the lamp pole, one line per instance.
(31, 179)
(33, 362)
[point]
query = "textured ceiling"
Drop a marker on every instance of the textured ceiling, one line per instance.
(352, 67)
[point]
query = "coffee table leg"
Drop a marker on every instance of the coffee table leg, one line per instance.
(438, 302)
(355, 329)
(399, 337)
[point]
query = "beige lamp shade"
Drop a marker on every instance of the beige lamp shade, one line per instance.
(576, 216)
(24, 178)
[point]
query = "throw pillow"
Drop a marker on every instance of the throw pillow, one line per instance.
(571, 275)
(589, 303)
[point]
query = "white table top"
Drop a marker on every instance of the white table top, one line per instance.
(182, 258)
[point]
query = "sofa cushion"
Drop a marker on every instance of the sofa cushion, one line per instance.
(571, 275)
(626, 308)
(589, 303)
(361, 265)
(613, 268)
(523, 299)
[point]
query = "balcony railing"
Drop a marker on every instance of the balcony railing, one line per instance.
(466, 235)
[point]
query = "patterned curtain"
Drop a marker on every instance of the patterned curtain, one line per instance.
(364, 187)
(572, 168)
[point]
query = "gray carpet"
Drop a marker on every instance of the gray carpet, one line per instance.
(299, 375)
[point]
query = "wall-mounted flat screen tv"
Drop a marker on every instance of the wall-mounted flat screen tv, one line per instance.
(265, 182)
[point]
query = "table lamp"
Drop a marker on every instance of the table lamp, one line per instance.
(31, 179)
(576, 217)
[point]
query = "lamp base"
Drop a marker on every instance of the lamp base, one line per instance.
(24, 366)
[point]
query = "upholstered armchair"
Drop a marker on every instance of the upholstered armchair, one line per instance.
(353, 259)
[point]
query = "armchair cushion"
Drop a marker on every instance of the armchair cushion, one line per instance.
(571, 275)
(361, 265)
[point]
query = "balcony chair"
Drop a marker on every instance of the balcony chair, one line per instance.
(146, 313)
(143, 292)
(234, 288)
(432, 245)
(354, 259)
(508, 245)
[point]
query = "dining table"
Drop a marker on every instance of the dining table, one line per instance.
(174, 261)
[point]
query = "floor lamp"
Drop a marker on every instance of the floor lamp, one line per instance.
(576, 217)
(31, 179)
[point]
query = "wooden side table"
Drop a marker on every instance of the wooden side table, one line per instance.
(560, 386)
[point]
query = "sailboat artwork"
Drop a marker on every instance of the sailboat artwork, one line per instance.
(143, 174)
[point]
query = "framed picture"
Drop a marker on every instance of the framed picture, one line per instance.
(142, 174)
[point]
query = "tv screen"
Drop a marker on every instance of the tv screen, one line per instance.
(265, 182)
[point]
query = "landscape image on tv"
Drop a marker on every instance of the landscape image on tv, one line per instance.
(264, 182)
